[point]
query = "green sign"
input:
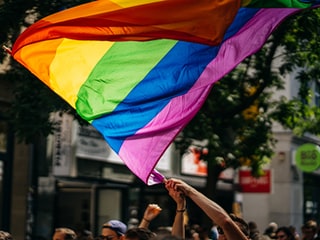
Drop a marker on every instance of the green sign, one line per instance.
(308, 157)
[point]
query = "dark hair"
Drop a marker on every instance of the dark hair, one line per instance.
(252, 225)
(203, 231)
(242, 224)
(164, 233)
(169, 237)
(140, 234)
(311, 224)
(287, 231)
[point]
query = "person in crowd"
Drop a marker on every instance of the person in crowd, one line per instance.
(230, 227)
(151, 212)
(64, 234)
(163, 232)
(200, 232)
(284, 233)
(5, 235)
(178, 226)
(139, 233)
(214, 231)
(264, 236)
(294, 232)
(113, 230)
(194, 230)
(254, 231)
(83, 232)
(85, 235)
(309, 230)
(170, 237)
(270, 232)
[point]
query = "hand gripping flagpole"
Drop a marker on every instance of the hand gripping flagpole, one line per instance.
(8, 50)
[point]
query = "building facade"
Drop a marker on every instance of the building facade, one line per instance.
(14, 170)
(294, 196)
(80, 183)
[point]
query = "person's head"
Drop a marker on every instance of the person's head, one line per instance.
(139, 234)
(242, 224)
(163, 232)
(252, 225)
(284, 233)
(253, 230)
(270, 231)
(5, 236)
(200, 232)
(309, 230)
(85, 235)
(64, 234)
(170, 237)
(273, 226)
(113, 230)
(292, 229)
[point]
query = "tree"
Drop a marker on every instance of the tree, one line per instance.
(238, 115)
(29, 112)
(33, 101)
(302, 48)
(239, 133)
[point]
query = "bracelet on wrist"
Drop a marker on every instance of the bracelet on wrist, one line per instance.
(146, 220)
(181, 210)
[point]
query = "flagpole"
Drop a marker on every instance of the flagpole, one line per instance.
(8, 50)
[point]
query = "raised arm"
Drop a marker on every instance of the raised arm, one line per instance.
(212, 209)
(178, 223)
(151, 212)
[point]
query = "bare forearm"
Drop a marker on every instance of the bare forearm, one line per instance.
(178, 225)
(217, 214)
(144, 223)
(150, 213)
(213, 210)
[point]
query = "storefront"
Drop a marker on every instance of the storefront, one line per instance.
(86, 203)
(307, 159)
(89, 184)
(311, 192)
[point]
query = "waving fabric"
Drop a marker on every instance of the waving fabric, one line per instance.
(140, 70)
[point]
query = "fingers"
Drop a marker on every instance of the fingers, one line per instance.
(152, 211)
(155, 207)
(176, 185)
(173, 183)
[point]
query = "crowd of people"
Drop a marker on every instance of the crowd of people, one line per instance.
(225, 226)
(309, 231)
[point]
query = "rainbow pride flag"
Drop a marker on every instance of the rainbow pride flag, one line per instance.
(140, 70)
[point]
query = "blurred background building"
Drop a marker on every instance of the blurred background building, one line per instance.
(74, 179)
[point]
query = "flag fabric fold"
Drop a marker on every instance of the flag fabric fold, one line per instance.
(121, 20)
(139, 86)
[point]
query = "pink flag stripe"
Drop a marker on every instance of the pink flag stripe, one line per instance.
(246, 42)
